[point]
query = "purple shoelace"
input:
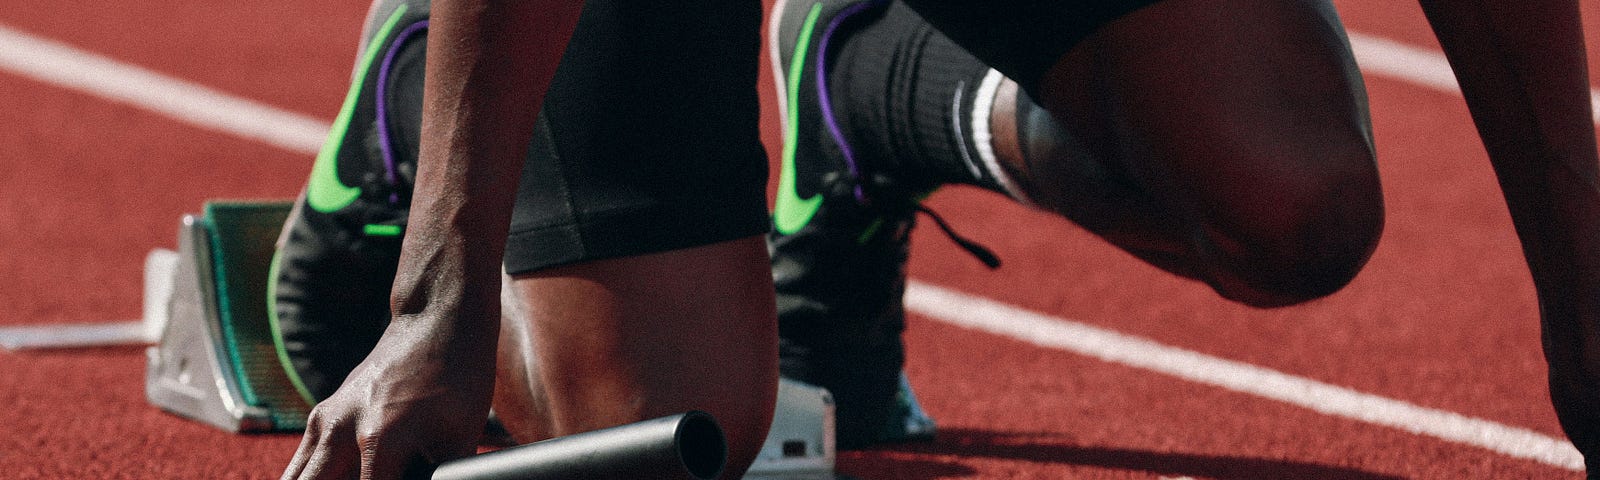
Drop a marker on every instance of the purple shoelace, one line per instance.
(826, 100)
(383, 107)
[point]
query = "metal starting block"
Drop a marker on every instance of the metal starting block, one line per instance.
(800, 445)
(216, 361)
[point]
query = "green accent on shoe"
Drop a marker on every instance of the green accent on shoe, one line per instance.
(325, 192)
(382, 230)
(277, 332)
(792, 212)
(872, 230)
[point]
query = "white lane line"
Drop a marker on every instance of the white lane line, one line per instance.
(52, 62)
(1389, 58)
(56, 63)
(1425, 67)
(989, 316)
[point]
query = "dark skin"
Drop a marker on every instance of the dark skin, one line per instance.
(1522, 68)
(624, 340)
(584, 346)
(421, 395)
(1203, 153)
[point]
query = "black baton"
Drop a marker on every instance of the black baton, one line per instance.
(686, 446)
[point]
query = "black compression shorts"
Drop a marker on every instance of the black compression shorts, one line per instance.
(649, 138)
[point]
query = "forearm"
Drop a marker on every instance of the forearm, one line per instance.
(1522, 68)
(420, 397)
(489, 64)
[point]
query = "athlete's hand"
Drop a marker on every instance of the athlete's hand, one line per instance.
(419, 399)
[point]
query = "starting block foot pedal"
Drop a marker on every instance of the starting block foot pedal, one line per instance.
(216, 360)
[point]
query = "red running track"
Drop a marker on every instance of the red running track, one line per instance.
(1443, 317)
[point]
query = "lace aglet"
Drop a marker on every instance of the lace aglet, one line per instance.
(982, 253)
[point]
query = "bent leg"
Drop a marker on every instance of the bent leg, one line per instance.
(622, 340)
(1225, 141)
(639, 280)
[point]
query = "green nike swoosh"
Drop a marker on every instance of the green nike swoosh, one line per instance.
(325, 192)
(792, 212)
(277, 332)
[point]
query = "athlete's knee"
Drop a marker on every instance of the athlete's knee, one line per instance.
(1297, 234)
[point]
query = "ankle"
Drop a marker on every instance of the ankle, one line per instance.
(1004, 157)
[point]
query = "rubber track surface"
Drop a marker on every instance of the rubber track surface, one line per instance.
(1444, 316)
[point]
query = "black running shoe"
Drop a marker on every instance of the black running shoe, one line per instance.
(340, 247)
(839, 244)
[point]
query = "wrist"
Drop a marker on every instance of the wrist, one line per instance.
(444, 294)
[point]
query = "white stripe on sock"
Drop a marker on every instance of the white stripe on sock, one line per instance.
(955, 123)
(983, 138)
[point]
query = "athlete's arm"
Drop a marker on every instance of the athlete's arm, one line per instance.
(1522, 67)
(423, 394)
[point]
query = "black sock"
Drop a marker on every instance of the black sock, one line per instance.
(905, 95)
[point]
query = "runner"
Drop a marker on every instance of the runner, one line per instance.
(1226, 142)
